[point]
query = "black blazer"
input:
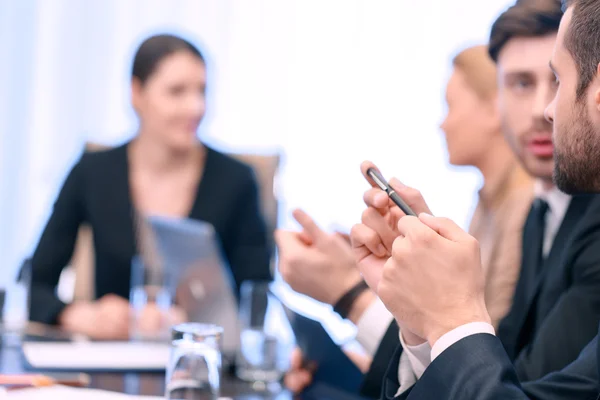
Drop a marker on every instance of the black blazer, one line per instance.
(478, 368)
(555, 315)
(97, 192)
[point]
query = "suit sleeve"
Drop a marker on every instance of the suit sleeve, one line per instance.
(55, 249)
(477, 368)
(248, 247)
(573, 321)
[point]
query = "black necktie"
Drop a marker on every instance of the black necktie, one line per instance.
(538, 228)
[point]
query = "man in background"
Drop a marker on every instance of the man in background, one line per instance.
(432, 284)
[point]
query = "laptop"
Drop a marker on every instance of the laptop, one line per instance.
(198, 274)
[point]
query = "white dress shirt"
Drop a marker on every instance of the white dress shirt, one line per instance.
(558, 203)
(418, 358)
(372, 325)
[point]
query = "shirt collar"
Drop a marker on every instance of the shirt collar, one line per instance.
(558, 201)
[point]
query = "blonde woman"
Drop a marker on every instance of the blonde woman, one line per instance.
(474, 137)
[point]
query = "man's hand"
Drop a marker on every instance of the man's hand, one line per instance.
(107, 318)
(433, 282)
(298, 377)
(372, 239)
(152, 320)
(316, 263)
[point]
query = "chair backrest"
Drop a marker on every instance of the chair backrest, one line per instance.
(82, 263)
(265, 168)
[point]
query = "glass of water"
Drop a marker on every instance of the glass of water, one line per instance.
(14, 307)
(151, 302)
(259, 358)
(194, 370)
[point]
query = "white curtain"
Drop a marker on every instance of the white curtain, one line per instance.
(327, 82)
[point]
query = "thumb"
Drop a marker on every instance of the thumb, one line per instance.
(308, 224)
(445, 227)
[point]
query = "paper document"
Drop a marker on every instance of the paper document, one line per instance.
(86, 356)
(69, 393)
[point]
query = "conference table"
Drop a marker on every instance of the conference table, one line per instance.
(146, 384)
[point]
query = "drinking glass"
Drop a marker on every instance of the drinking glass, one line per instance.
(14, 307)
(260, 356)
(194, 370)
(151, 302)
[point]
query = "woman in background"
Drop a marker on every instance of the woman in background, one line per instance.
(164, 171)
(474, 138)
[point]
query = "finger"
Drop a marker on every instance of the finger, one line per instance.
(413, 227)
(380, 225)
(297, 381)
(110, 299)
(363, 236)
(305, 238)
(445, 227)
(411, 196)
(296, 359)
(285, 239)
(378, 199)
(308, 224)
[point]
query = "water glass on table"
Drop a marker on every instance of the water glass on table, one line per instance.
(194, 370)
(153, 312)
(260, 356)
(14, 307)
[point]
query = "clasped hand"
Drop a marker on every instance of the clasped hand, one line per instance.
(426, 270)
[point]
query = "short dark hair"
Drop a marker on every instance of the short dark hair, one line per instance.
(582, 40)
(154, 49)
(526, 18)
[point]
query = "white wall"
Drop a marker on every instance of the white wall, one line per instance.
(328, 82)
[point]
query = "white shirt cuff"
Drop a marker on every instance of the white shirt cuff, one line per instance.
(460, 333)
(419, 356)
(372, 325)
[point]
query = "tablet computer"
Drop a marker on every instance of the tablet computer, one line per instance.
(334, 370)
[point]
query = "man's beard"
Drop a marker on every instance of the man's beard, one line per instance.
(577, 163)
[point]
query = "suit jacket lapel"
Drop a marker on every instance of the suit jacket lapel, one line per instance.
(577, 208)
(535, 282)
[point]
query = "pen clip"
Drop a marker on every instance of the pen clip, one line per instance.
(378, 179)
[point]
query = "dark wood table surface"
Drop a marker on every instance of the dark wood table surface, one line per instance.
(148, 384)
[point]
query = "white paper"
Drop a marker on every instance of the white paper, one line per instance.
(69, 393)
(83, 356)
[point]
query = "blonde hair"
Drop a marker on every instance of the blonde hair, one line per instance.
(479, 69)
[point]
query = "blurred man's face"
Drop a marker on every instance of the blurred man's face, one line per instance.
(576, 123)
(526, 86)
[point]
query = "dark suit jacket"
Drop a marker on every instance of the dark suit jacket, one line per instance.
(97, 192)
(554, 315)
(569, 294)
(478, 368)
(538, 333)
